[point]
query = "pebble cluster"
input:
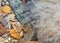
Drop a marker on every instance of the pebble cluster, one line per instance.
(17, 19)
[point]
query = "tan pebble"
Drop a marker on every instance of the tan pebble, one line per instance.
(15, 40)
(22, 33)
(13, 15)
(5, 35)
(3, 40)
(17, 26)
(6, 40)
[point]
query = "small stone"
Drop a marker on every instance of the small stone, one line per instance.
(31, 42)
(14, 34)
(2, 3)
(6, 9)
(4, 35)
(26, 28)
(3, 21)
(6, 40)
(14, 41)
(7, 3)
(10, 17)
(17, 26)
(3, 29)
(3, 40)
(22, 33)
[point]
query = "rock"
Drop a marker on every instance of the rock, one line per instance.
(3, 21)
(3, 39)
(5, 35)
(10, 17)
(14, 41)
(7, 3)
(17, 26)
(6, 41)
(21, 33)
(14, 34)
(26, 28)
(6, 9)
(3, 29)
(3, 3)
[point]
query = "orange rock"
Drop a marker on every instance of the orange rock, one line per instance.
(15, 34)
(6, 9)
